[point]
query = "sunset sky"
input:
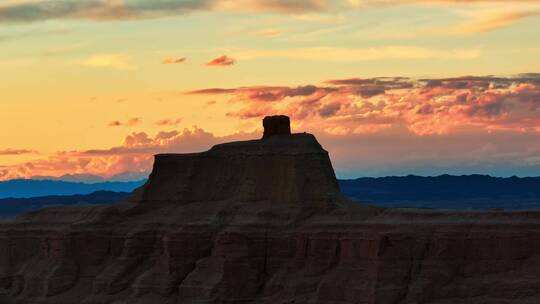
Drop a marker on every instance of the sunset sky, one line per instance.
(389, 87)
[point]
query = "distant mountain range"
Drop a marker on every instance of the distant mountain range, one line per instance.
(25, 188)
(92, 178)
(440, 192)
(10, 207)
(446, 191)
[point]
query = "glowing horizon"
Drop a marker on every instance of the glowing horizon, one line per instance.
(99, 86)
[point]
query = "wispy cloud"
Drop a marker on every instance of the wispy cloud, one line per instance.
(367, 3)
(261, 93)
(283, 6)
(221, 61)
(12, 152)
(128, 123)
(113, 61)
(482, 21)
(341, 54)
(30, 11)
(174, 60)
(212, 91)
(103, 10)
(328, 18)
(270, 32)
(169, 122)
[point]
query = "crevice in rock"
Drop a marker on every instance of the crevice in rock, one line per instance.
(415, 268)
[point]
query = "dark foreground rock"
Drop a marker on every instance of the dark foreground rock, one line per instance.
(264, 222)
(384, 259)
(276, 125)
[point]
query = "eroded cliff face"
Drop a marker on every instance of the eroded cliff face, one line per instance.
(263, 222)
(313, 263)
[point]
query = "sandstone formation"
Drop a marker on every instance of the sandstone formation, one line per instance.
(282, 169)
(264, 222)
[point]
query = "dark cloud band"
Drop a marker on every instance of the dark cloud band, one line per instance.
(135, 9)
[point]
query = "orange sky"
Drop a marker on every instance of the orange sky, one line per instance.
(99, 86)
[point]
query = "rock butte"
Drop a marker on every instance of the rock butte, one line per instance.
(263, 221)
(282, 168)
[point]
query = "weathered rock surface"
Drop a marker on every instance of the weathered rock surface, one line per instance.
(375, 261)
(264, 222)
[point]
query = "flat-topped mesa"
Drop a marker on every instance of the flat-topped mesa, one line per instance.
(281, 168)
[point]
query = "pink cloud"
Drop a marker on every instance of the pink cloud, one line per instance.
(262, 93)
(426, 106)
(370, 127)
(135, 154)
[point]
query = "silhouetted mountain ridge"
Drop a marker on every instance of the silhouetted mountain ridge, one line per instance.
(13, 206)
(25, 188)
(446, 191)
(439, 192)
(127, 176)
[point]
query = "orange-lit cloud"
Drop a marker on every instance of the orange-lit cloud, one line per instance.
(260, 93)
(174, 60)
(221, 61)
(9, 152)
(134, 155)
(430, 106)
(371, 126)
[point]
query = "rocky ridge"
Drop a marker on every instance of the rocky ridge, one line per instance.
(263, 221)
